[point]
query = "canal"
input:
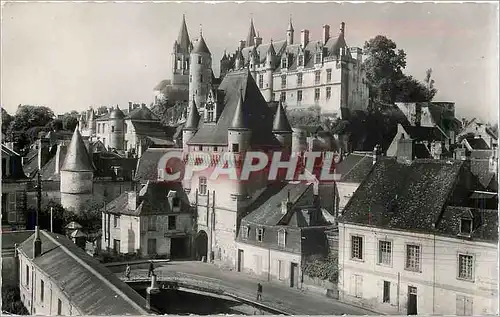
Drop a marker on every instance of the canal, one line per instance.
(180, 302)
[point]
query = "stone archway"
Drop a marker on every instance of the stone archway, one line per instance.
(201, 246)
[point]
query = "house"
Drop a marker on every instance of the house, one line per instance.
(156, 221)
(480, 130)
(15, 184)
(56, 277)
(285, 226)
(147, 166)
(418, 238)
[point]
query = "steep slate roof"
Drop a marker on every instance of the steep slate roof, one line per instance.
(183, 41)
(480, 168)
(404, 197)
(147, 167)
(16, 169)
(146, 128)
(281, 123)
(193, 118)
(485, 223)
(10, 238)
(477, 143)
(116, 113)
(77, 158)
(48, 170)
(90, 287)
(142, 114)
(354, 167)
(424, 133)
(251, 34)
(200, 46)
(255, 108)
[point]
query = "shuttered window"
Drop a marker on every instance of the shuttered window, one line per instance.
(464, 305)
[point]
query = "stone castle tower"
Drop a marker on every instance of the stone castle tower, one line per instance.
(77, 174)
(181, 56)
(117, 129)
(200, 73)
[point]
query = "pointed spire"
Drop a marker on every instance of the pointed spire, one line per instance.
(238, 122)
(193, 118)
(290, 26)
(271, 50)
(183, 38)
(251, 34)
(77, 158)
(281, 123)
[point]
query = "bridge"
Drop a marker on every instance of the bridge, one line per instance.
(206, 278)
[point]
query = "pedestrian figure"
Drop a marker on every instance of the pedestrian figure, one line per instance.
(151, 268)
(259, 292)
(127, 272)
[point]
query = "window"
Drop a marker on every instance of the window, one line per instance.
(261, 81)
(201, 78)
(317, 76)
(466, 226)
(11, 201)
(357, 248)
(299, 79)
(176, 202)
(59, 307)
(281, 238)
(283, 81)
(316, 94)
(116, 245)
(386, 298)
(384, 252)
(98, 128)
(412, 257)
(318, 58)
(152, 223)
(260, 234)
(42, 286)
(465, 266)
(235, 147)
(202, 185)
(301, 60)
(328, 92)
(328, 75)
(199, 59)
(190, 78)
(299, 95)
(283, 96)
(27, 275)
(283, 63)
(116, 221)
(112, 128)
(464, 305)
(172, 223)
(200, 148)
(281, 270)
(210, 115)
(215, 149)
(4, 166)
(245, 232)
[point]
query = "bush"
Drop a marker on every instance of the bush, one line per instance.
(11, 301)
(324, 268)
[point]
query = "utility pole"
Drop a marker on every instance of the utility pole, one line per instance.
(51, 219)
(38, 197)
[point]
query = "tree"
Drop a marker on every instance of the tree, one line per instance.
(384, 71)
(69, 122)
(11, 301)
(27, 117)
(323, 268)
(55, 125)
(60, 217)
(6, 120)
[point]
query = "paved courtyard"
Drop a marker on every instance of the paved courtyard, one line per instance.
(275, 295)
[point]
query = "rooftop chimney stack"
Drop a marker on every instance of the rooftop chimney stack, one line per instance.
(326, 33)
(257, 40)
(132, 200)
(304, 38)
(37, 243)
(129, 106)
(242, 44)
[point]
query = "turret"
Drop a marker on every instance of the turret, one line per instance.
(200, 72)
(77, 175)
(289, 33)
(92, 123)
(254, 60)
(282, 129)
(239, 61)
(191, 126)
(116, 129)
(267, 90)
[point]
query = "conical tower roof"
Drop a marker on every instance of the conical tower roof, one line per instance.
(251, 34)
(238, 122)
(183, 38)
(271, 50)
(77, 158)
(290, 26)
(116, 113)
(281, 123)
(193, 118)
(200, 46)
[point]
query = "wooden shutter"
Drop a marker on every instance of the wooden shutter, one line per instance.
(468, 306)
(460, 304)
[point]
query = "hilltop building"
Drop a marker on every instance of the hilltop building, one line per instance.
(324, 72)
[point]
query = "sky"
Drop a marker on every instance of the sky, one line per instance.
(70, 56)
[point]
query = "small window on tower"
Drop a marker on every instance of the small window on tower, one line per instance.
(112, 128)
(199, 59)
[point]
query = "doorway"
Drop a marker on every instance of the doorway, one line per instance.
(240, 260)
(412, 300)
(294, 274)
(201, 246)
(179, 248)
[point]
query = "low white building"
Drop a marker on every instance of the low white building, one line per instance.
(157, 221)
(412, 241)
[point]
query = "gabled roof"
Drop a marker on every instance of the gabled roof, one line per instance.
(91, 288)
(142, 114)
(149, 128)
(77, 159)
(257, 113)
(485, 223)
(401, 196)
(354, 167)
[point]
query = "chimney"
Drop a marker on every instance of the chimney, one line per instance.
(143, 105)
(129, 106)
(326, 33)
(43, 152)
(59, 158)
(132, 200)
(242, 44)
(257, 40)
(357, 53)
(304, 38)
(376, 154)
(37, 243)
(404, 151)
(286, 205)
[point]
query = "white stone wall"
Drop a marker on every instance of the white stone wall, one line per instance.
(47, 307)
(437, 283)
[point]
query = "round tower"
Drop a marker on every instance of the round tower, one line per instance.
(282, 129)
(77, 175)
(190, 127)
(268, 82)
(92, 123)
(200, 72)
(116, 129)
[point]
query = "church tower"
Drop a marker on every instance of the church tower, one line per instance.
(180, 56)
(77, 175)
(116, 129)
(200, 72)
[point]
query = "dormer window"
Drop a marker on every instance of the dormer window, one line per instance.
(210, 112)
(284, 63)
(466, 226)
(176, 202)
(301, 60)
(318, 58)
(281, 237)
(245, 232)
(260, 234)
(283, 81)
